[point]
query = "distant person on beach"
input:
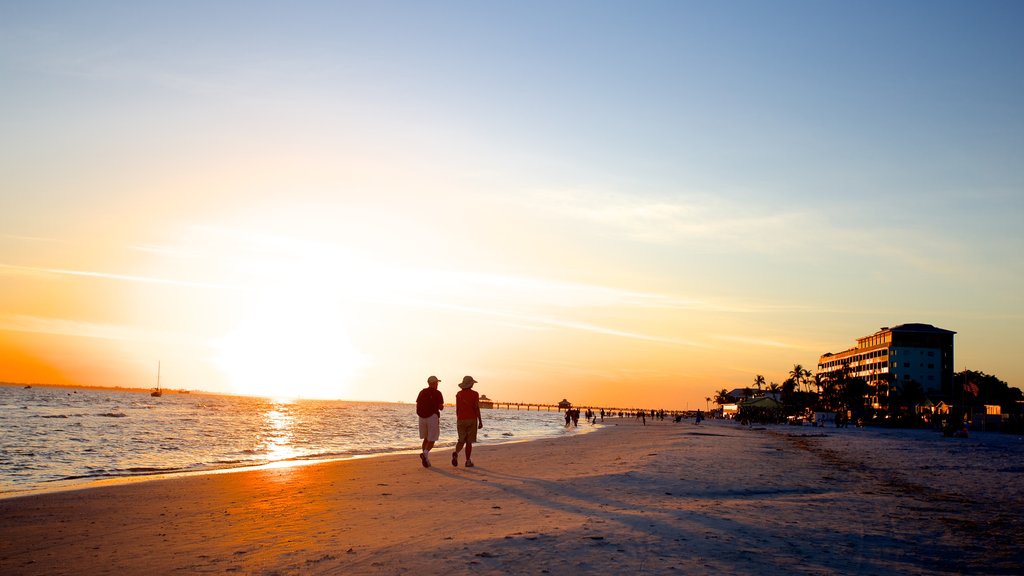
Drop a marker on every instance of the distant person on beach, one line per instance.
(467, 419)
(429, 404)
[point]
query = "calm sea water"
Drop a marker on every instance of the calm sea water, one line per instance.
(56, 436)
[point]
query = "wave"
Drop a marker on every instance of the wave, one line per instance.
(226, 464)
(149, 469)
(199, 434)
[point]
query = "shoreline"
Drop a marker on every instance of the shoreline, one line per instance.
(58, 441)
(705, 499)
(87, 483)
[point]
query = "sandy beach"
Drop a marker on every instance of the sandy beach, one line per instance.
(665, 498)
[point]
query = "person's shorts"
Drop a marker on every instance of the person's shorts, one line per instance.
(430, 428)
(467, 430)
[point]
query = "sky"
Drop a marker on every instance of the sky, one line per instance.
(632, 204)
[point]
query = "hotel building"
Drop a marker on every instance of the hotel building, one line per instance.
(893, 356)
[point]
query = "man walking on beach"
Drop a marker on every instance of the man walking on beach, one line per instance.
(429, 404)
(467, 419)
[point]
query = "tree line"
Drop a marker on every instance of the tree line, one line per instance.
(803, 393)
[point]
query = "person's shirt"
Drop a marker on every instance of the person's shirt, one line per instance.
(429, 402)
(467, 405)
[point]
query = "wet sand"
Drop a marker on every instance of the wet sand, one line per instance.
(665, 498)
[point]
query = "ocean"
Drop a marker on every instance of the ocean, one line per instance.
(59, 437)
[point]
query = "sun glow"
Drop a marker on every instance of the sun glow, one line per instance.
(292, 339)
(289, 352)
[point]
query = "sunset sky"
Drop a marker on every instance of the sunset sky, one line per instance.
(626, 203)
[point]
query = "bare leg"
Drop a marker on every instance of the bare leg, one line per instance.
(425, 455)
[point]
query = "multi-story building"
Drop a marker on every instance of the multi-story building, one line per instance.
(896, 356)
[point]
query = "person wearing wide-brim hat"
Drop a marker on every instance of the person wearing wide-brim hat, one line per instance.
(467, 419)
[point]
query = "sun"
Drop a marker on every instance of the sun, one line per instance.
(291, 343)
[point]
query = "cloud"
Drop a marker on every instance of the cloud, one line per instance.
(547, 292)
(66, 327)
(757, 226)
(169, 251)
(753, 341)
(23, 238)
(34, 271)
(536, 320)
(693, 218)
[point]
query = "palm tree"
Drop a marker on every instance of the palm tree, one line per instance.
(759, 381)
(799, 374)
(796, 373)
(787, 389)
(722, 397)
(808, 379)
(707, 404)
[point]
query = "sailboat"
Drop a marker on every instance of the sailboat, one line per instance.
(158, 392)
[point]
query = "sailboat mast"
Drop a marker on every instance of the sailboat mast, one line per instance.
(156, 393)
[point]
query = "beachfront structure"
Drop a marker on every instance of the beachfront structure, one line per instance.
(741, 394)
(897, 356)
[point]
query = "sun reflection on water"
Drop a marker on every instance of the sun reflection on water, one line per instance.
(278, 425)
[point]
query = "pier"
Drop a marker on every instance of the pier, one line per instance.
(498, 405)
(523, 406)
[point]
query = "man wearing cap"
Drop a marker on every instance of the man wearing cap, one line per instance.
(467, 419)
(429, 404)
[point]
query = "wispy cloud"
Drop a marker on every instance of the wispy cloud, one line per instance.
(337, 266)
(711, 219)
(162, 250)
(552, 292)
(66, 327)
(30, 270)
(533, 321)
(753, 341)
(723, 224)
(25, 238)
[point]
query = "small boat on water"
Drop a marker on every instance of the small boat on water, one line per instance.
(157, 392)
(486, 402)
